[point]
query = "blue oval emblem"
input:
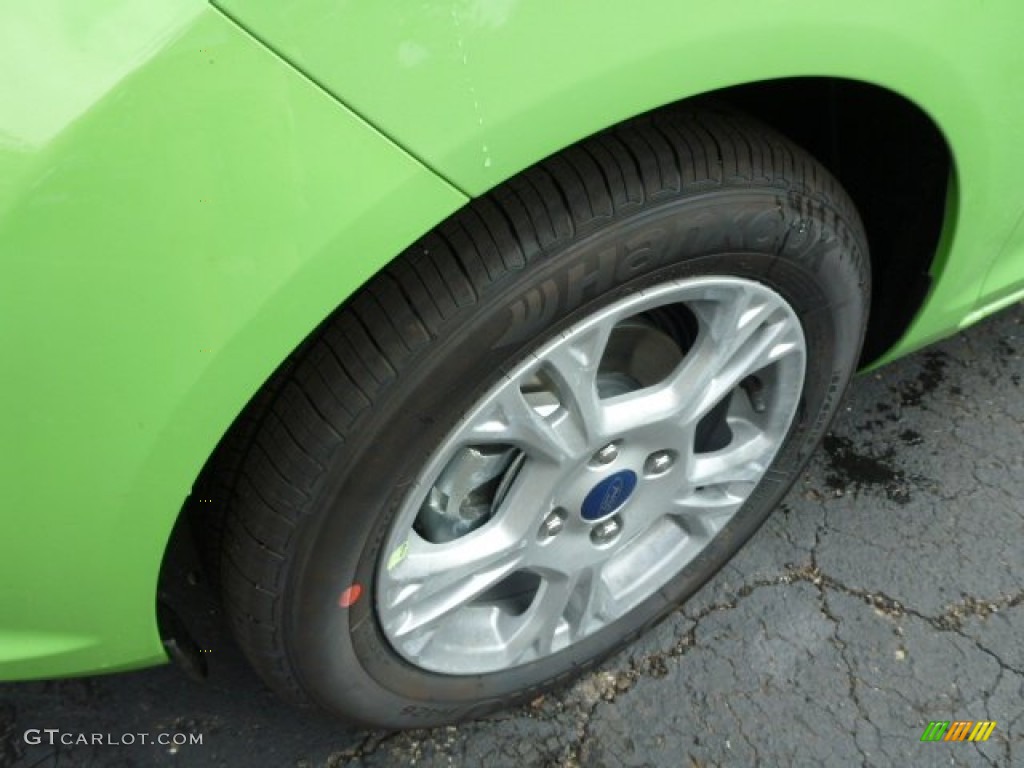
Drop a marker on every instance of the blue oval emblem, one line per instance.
(608, 495)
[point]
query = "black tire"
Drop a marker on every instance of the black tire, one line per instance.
(675, 194)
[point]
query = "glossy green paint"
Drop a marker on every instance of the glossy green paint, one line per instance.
(178, 209)
(1004, 284)
(479, 89)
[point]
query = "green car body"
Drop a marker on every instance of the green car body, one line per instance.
(187, 190)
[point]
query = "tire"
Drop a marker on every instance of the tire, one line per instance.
(679, 302)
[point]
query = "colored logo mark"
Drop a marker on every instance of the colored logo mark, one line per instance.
(608, 495)
(958, 730)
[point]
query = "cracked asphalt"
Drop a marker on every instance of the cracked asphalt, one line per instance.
(887, 591)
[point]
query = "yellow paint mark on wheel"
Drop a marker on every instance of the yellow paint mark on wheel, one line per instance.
(398, 555)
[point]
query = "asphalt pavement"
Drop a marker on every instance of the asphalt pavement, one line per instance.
(885, 593)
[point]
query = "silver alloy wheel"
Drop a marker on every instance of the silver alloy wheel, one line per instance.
(590, 475)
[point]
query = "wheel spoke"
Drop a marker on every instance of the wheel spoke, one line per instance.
(713, 497)
(735, 341)
(704, 513)
(561, 423)
(533, 633)
(573, 366)
(589, 606)
(743, 338)
(432, 581)
(526, 502)
(508, 418)
(744, 460)
(659, 404)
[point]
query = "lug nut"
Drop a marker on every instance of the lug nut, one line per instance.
(553, 524)
(606, 530)
(658, 462)
(607, 455)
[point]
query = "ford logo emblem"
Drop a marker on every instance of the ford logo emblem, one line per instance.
(608, 495)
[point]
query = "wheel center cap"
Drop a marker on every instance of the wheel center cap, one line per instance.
(608, 495)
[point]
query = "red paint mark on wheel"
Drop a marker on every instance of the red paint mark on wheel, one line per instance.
(350, 595)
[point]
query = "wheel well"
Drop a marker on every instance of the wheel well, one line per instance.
(887, 153)
(895, 164)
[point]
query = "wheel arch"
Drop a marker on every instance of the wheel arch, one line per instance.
(902, 258)
(480, 91)
(794, 106)
(771, 203)
(895, 163)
